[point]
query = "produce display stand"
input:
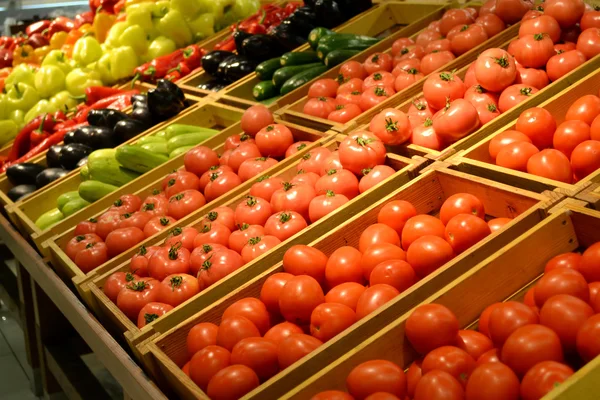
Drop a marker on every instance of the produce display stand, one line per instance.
(475, 158)
(117, 322)
(568, 228)
(167, 353)
(591, 195)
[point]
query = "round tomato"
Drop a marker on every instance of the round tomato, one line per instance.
(378, 253)
(441, 88)
(565, 260)
(376, 376)
(543, 378)
(185, 203)
(253, 167)
(332, 162)
(396, 273)
(305, 260)
(257, 246)
(584, 109)
(274, 140)
(534, 50)
(151, 312)
(465, 230)
(413, 376)
(179, 181)
(252, 211)
(332, 395)
(415, 51)
(271, 290)
(199, 159)
(200, 336)
(207, 362)
(314, 160)
(378, 62)
(503, 139)
(484, 318)
(495, 70)
(296, 147)
(344, 113)
(255, 118)
(498, 223)
(438, 385)
(589, 264)
(282, 331)
(346, 293)
(478, 95)
(377, 234)
(513, 95)
(299, 297)
(347, 99)
(232, 382)
(266, 186)
(233, 329)
(295, 347)
(319, 107)
(434, 61)
(431, 326)
(563, 63)
(169, 260)
(401, 43)
(421, 225)
(419, 111)
(374, 176)
(133, 297)
(344, 265)
(470, 36)
(539, 124)
(127, 203)
(122, 239)
(138, 219)
(461, 203)
(177, 288)
(454, 17)
(351, 86)
(536, 78)
(455, 121)
(375, 95)
(329, 319)
(395, 214)
(569, 135)
(107, 222)
(507, 317)
(491, 23)
(428, 253)
(324, 204)
(259, 354)
(340, 181)
(253, 309)
(223, 215)
(512, 11)
(516, 155)
(353, 69)
(566, 12)
(323, 88)
(212, 174)
(243, 152)
(424, 135)
(218, 265)
(588, 339)
(84, 227)
(590, 19)
(405, 78)
(543, 24)
(221, 184)
(285, 224)
(361, 150)
(585, 158)
(423, 39)
(157, 224)
(438, 45)
(293, 198)
(493, 381)
(565, 315)
(234, 141)
(561, 281)
(551, 164)
(406, 65)
(529, 345)
(452, 360)
(139, 262)
(474, 343)
(391, 126)
(79, 243)
(117, 281)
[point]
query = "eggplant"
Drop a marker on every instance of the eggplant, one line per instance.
(238, 38)
(49, 175)
(211, 61)
(79, 135)
(302, 23)
(72, 153)
(163, 104)
(143, 115)
(262, 48)
(20, 191)
(329, 13)
(24, 173)
(214, 85)
(168, 86)
(53, 156)
(128, 129)
(114, 116)
(138, 104)
(287, 37)
(141, 98)
(236, 67)
(82, 162)
(101, 138)
(97, 117)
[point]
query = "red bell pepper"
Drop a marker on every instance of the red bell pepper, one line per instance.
(95, 93)
(226, 45)
(84, 18)
(37, 40)
(37, 27)
(22, 141)
(121, 103)
(105, 102)
(61, 24)
(192, 56)
(119, 7)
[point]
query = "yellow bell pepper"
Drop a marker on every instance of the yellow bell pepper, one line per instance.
(102, 24)
(23, 54)
(41, 52)
(57, 40)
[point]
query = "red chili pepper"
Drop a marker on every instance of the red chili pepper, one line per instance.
(37, 27)
(105, 102)
(66, 124)
(226, 45)
(22, 141)
(121, 103)
(2, 80)
(95, 93)
(59, 116)
(192, 56)
(45, 144)
(81, 115)
(173, 76)
(257, 29)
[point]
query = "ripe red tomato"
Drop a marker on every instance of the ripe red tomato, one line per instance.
(401, 43)
(491, 23)
(296, 147)
(139, 262)
(406, 78)
(79, 243)
(151, 312)
(157, 224)
(213, 232)
(253, 309)
(353, 69)
(221, 184)
(470, 36)
(243, 152)
(232, 382)
(539, 125)
(255, 166)
(569, 135)
(281, 331)
(117, 281)
(128, 203)
(344, 99)
(138, 219)
(454, 17)
(543, 378)
(376, 376)
(493, 380)
(507, 317)
(405, 65)
(419, 111)
(200, 336)
(361, 150)
(299, 297)
(423, 39)
(199, 159)
(133, 297)
(391, 126)
(534, 50)
(551, 164)
(428, 253)
(395, 214)
(474, 343)
(223, 215)
(565, 315)
(515, 94)
(344, 265)
(207, 362)
(495, 70)
(375, 95)
(516, 155)
(169, 260)
(271, 290)
(503, 139)
(344, 113)
(455, 121)
(374, 176)
(421, 225)
(323, 88)
(565, 260)
(332, 162)
(478, 95)
(416, 51)
(434, 61)
(84, 227)
(314, 160)
(184, 203)
(293, 198)
(319, 107)
(295, 347)
(325, 204)
(255, 118)
(346, 293)
(588, 339)
(177, 288)
(465, 230)
(284, 225)
(274, 140)
(498, 223)
(461, 203)
(424, 135)
(585, 109)
(329, 319)
(179, 181)
(332, 395)
(590, 262)
(122, 239)
(378, 62)
(512, 11)
(561, 281)
(234, 141)
(257, 246)
(351, 86)
(377, 234)
(437, 45)
(378, 253)
(212, 174)
(305, 260)
(589, 42)
(563, 63)
(536, 78)
(233, 329)
(259, 354)
(431, 326)
(266, 186)
(491, 356)
(438, 385)
(252, 211)
(340, 181)
(396, 273)
(107, 222)
(566, 12)
(529, 345)
(452, 360)
(585, 158)
(442, 88)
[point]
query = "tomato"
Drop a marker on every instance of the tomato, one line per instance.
(419, 111)
(221, 184)
(305, 260)
(107, 222)
(378, 253)
(179, 181)
(503, 139)
(584, 109)
(332, 395)
(441, 88)
(594, 289)
(377, 234)
(361, 150)
(329, 319)
(133, 297)
(235, 328)
(428, 253)
(122, 239)
(200, 336)
(406, 78)
(353, 69)
(543, 378)
(259, 354)
(345, 99)
(323, 88)
(405, 65)
(257, 246)
(507, 317)
(169, 260)
(139, 262)
(401, 43)
(255, 118)
(232, 382)
(536, 78)
(281, 331)
(274, 140)
(223, 215)
(551, 164)
(239, 238)
(474, 343)
(151, 312)
(319, 107)
(438, 385)
(295, 347)
(478, 95)
(495, 70)
(391, 126)
(218, 265)
(324, 204)
(344, 113)
(376, 376)
(374, 176)
(184, 203)
(493, 381)
(313, 160)
(529, 298)
(487, 112)
(293, 198)
(483, 324)
(458, 119)
(584, 158)
(266, 186)
(431, 326)
(340, 181)
(299, 297)
(84, 227)
(395, 214)
(470, 79)
(79, 243)
(346, 293)
(563, 47)
(212, 174)
(413, 376)
(271, 290)
(253, 167)
(566, 12)
(223, 159)
(534, 50)
(199, 159)
(177, 288)
(470, 36)
(378, 62)
(565, 315)
(351, 86)
(253, 309)
(491, 23)
(416, 51)
(491, 356)
(375, 95)
(497, 224)
(396, 273)
(561, 281)
(296, 147)
(331, 162)
(128, 203)
(454, 17)
(252, 211)
(465, 230)
(157, 224)
(514, 95)
(539, 125)
(569, 135)
(117, 281)
(424, 135)
(512, 11)
(284, 225)
(207, 362)
(588, 339)
(590, 19)
(543, 24)
(452, 360)
(437, 45)
(243, 152)
(234, 141)
(590, 262)
(421, 225)
(516, 155)
(529, 345)
(344, 265)
(138, 219)
(565, 260)
(563, 63)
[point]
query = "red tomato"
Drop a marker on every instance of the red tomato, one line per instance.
(484, 318)
(584, 109)
(349, 98)
(431, 326)
(332, 162)
(84, 227)
(177, 288)
(79, 243)
(434, 61)
(470, 79)
(107, 222)
(139, 261)
(438, 385)
(157, 224)
(375, 95)
(122, 239)
(478, 95)
(498, 223)
(319, 107)
(438, 45)
(284, 225)
(259, 354)
(569, 135)
(254, 167)
(221, 184)
(378, 253)
(296, 147)
(454, 17)
(543, 378)
(562, 281)
(534, 50)
(169, 260)
(374, 176)
(233, 329)
(495, 70)
(416, 51)
(516, 155)
(255, 118)
(293, 198)
(151, 312)
(396, 273)
(378, 62)
(282, 331)
(329, 319)
(551, 164)
(514, 95)
(266, 186)
(474, 343)
(588, 343)
(220, 264)
(352, 69)
(313, 160)
(295, 347)
(207, 362)
(361, 150)
(377, 234)
(179, 181)
(539, 125)
(128, 203)
(212, 174)
(566, 12)
(395, 214)
(455, 121)
(585, 158)
(452, 360)
(138, 219)
(309, 178)
(512, 11)
(529, 345)
(344, 265)
(405, 78)
(465, 230)
(428, 253)
(590, 19)
(565, 315)
(332, 395)
(325, 204)
(252, 211)
(419, 111)
(401, 43)
(493, 380)
(491, 23)
(589, 266)
(258, 246)
(346, 293)
(424, 135)
(274, 140)
(116, 282)
(505, 138)
(199, 159)
(563, 63)
(565, 260)
(441, 88)
(299, 297)
(421, 225)
(413, 376)
(344, 113)
(507, 317)
(185, 203)
(351, 86)
(243, 152)
(543, 24)
(536, 78)
(202, 253)
(470, 36)
(391, 126)
(305, 260)
(271, 290)
(405, 65)
(234, 141)
(323, 88)
(223, 215)
(376, 376)
(340, 181)
(133, 297)
(253, 309)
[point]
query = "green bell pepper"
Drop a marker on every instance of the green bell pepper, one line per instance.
(63, 101)
(17, 116)
(170, 23)
(21, 97)
(58, 58)
(160, 46)
(41, 107)
(80, 79)
(112, 39)
(190, 8)
(134, 37)
(8, 131)
(141, 14)
(22, 73)
(103, 68)
(49, 80)
(202, 26)
(87, 50)
(123, 60)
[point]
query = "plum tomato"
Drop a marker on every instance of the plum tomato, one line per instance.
(431, 326)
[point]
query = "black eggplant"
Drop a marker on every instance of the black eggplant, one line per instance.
(128, 129)
(214, 85)
(114, 116)
(141, 98)
(329, 13)
(138, 104)
(83, 161)
(211, 61)
(53, 156)
(20, 191)
(287, 37)
(49, 175)
(98, 117)
(236, 67)
(261, 48)
(24, 173)
(238, 38)
(301, 23)
(143, 115)
(101, 137)
(72, 153)
(79, 135)
(168, 86)
(163, 104)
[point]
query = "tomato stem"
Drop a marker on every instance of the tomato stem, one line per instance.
(173, 251)
(330, 193)
(251, 201)
(118, 203)
(142, 251)
(284, 217)
(212, 216)
(365, 171)
(176, 281)
(164, 221)
(391, 125)
(150, 317)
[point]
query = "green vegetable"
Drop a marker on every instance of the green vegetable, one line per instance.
(134, 37)
(21, 97)
(8, 131)
(150, 139)
(299, 58)
(104, 167)
(157, 147)
(49, 80)
(161, 46)
(264, 90)
(338, 56)
(139, 159)
(316, 34)
(49, 218)
(344, 41)
(80, 79)
(285, 73)
(94, 190)
(87, 50)
(22, 73)
(266, 69)
(301, 78)
(123, 60)
(171, 24)
(41, 107)
(161, 134)
(178, 129)
(65, 198)
(187, 139)
(270, 101)
(74, 205)
(84, 173)
(180, 150)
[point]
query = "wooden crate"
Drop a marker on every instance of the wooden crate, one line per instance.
(115, 320)
(399, 18)
(565, 230)
(591, 195)
(144, 187)
(166, 354)
(25, 212)
(476, 159)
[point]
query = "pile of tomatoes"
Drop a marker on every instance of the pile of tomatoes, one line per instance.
(521, 351)
(316, 297)
(567, 153)
(362, 86)
(205, 177)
